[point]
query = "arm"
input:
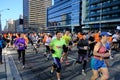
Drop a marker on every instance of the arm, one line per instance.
(96, 48)
(51, 47)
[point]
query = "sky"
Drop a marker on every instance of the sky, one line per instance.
(16, 9)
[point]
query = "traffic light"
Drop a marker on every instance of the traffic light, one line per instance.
(20, 21)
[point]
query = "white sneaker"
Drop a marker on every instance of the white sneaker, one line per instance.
(23, 66)
(83, 73)
(111, 57)
(18, 61)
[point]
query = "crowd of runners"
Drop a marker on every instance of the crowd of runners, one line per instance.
(95, 46)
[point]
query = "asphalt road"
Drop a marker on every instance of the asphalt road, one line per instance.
(38, 67)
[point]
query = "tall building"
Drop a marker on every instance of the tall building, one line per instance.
(64, 14)
(100, 14)
(57, 1)
(11, 25)
(34, 13)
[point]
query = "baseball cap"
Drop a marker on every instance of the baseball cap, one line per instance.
(104, 34)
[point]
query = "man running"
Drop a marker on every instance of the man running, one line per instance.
(56, 47)
(67, 39)
(83, 52)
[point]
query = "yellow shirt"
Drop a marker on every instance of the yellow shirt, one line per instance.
(66, 38)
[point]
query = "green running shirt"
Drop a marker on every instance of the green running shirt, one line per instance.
(57, 46)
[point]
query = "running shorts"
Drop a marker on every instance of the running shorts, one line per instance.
(97, 64)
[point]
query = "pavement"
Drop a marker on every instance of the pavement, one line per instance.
(38, 67)
(5, 71)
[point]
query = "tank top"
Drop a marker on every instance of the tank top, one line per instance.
(102, 50)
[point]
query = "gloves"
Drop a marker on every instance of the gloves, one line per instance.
(65, 49)
(52, 51)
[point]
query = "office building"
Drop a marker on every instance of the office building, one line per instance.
(64, 14)
(11, 25)
(100, 14)
(34, 13)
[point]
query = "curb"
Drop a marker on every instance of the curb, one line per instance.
(8, 70)
(11, 69)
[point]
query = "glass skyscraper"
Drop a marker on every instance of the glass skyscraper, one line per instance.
(101, 14)
(64, 14)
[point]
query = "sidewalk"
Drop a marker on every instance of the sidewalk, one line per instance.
(5, 71)
(3, 75)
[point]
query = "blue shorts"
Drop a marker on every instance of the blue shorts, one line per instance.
(97, 64)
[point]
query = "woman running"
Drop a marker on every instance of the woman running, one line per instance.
(97, 61)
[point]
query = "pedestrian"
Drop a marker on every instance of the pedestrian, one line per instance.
(20, 43)
(97, 62)
(67, 39)
(1, 47)
(83, 52)
(56, 46)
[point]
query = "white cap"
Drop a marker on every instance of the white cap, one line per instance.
(118, 27)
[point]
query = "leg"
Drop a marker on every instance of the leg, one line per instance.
(19, 54)
(84, 65)
(58, 75)
(23, 57)
(105, 73)
(58, 67)
(0, 55)
(95, 75)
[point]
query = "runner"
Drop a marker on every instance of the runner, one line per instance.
(83, 52)
(97, 61)
(20, 43)
(67, 39)
(92, 43)
(48, 40)
(56, 47)
(1, 47)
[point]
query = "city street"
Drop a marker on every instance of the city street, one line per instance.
(38, 67)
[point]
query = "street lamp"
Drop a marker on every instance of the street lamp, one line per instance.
(0, 18)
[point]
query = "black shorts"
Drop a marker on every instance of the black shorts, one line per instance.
(57, 64)
(47, 48)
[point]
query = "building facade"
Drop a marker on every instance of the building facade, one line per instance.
(100, 14)
(11, 25)
(34, 13)
(64, 14)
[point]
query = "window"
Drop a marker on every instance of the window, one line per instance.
(114, 15)
(107, 9)
(106, 17)
(92, 12)
(115, 7)
(98, 11)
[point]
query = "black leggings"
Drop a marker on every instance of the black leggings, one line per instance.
(21, 52)
(0, 54)
(83, 58)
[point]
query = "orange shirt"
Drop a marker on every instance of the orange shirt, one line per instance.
(4, 35)
(96, 36)
(110, 39)
(80, 36)
(44, 39)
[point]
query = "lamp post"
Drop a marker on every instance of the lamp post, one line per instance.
(0, 18)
